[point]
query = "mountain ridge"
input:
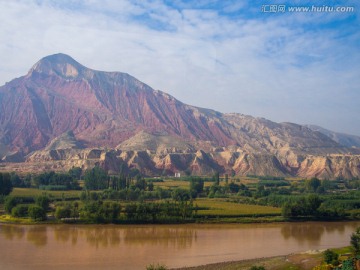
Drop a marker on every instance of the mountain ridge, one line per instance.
(106, 110)
(344, 139)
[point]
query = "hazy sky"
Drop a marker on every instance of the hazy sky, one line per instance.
(231, 56)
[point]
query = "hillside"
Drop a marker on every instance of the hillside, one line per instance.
(61, 107)
(341, 138)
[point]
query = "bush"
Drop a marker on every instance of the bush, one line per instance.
(43, 201)
(52, 187)
(257, 268)
(19, 211)
(100, 212)
(37, 213)
(63, 212)
(5, 184)
(10, 203)
(330, 257)
(156, 267)
(234, 188)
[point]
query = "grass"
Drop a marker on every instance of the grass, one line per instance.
(273, 263)
(172, 184)
(32, 192)
(221, 208)
(10, 219)
(299, 261)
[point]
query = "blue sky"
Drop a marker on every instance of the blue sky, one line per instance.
(301, 67)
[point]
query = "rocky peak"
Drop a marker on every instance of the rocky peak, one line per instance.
(57, 64)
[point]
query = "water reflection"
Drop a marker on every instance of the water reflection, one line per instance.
(101, 237)
(179, 237)
(303, 232)
(312, 232)
(66, 234)
(12, 232)
(134, 247)
(37, 235)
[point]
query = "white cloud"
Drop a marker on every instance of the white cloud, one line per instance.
(282, 67)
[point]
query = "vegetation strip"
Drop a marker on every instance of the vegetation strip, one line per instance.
(131, 198)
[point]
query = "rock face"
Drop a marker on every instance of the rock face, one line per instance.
(64, 114)
(101, 108)
(198, 163)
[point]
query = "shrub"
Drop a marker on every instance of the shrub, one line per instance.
(330, 257)
(257, 268)
(156, 267)
(10, 203)
(5, 184)
(37, 213)
(43, 201)
(19, 211)
(63, 212)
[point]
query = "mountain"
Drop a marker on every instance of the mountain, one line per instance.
(341, 138)
(101, 108)
(61, 113)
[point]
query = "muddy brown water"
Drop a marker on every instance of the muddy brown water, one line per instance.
(133, 247)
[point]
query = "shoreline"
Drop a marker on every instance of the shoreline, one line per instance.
(305, 260)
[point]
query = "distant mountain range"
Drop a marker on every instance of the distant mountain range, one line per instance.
(341, 138)
(61, 112)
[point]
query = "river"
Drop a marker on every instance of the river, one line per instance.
(133, 247)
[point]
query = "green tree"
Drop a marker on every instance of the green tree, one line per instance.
(63, 211)
(150, 186)
(95, 179)
(326, 184)
(16, 180)
(75, 172)
(156, 267)
(10, 203)
(27, 180)
(331, 257)
(286, 210)
(5, 184)
(36, 212)
(216, 178)
(100, 212)
(140, 183)
(257, 268)
(355, 241)
(180, 195)
(313, 202)
(196, 186)
(43, 201)
(306, 206)
(19, 211)
(234, 188)
(312, 184)
(226, 178)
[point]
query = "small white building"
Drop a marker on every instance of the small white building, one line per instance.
(177, 175)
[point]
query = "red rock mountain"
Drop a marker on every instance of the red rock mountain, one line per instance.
(101, 108)
(115, 110)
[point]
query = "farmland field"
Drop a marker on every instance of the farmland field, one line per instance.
(171, 184)
(218, 207)
(32, 192)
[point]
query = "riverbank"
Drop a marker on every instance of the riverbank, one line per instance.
(300, 261)
(8, 219)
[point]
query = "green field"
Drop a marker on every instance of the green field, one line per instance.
(32, 192)
(221, 208)
(175, 183)
(171, 184)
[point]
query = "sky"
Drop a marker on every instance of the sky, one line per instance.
(253, 57)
